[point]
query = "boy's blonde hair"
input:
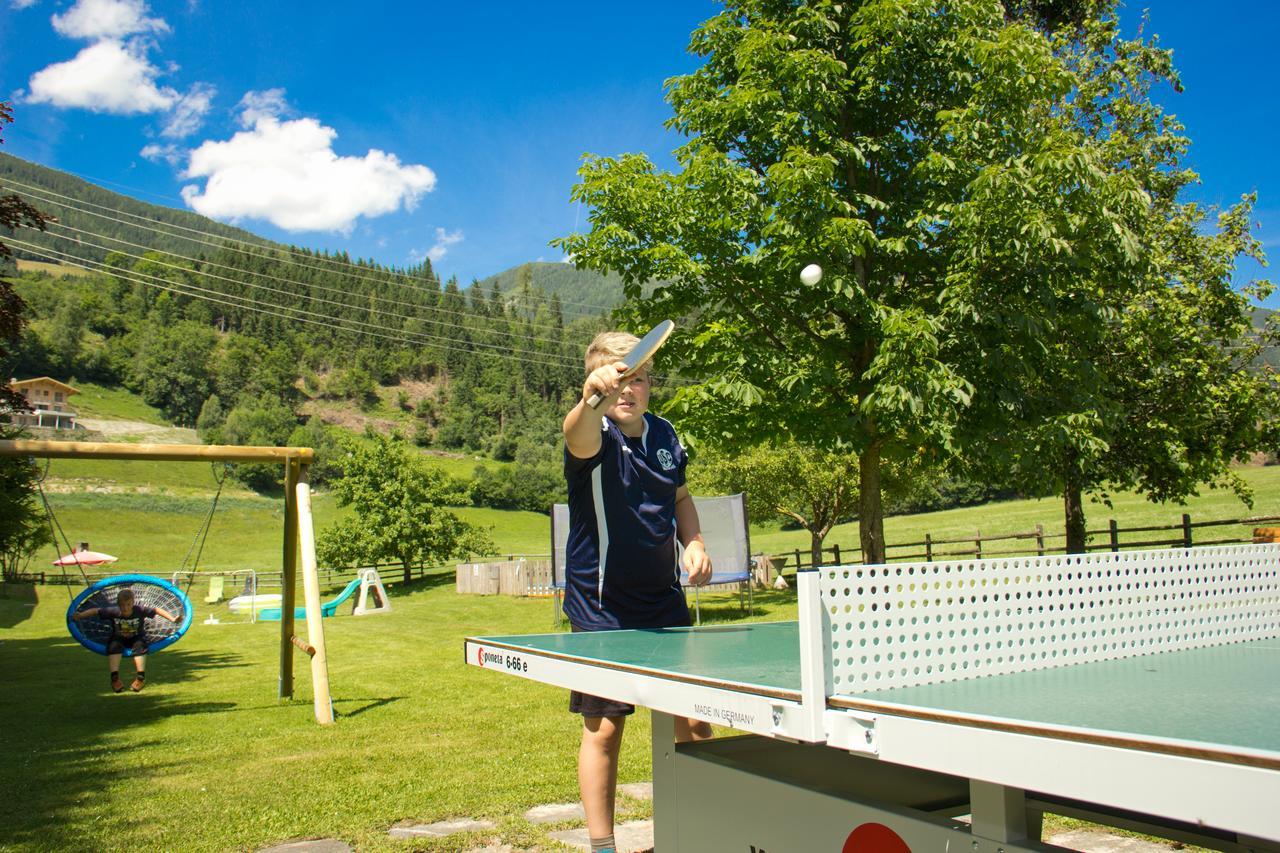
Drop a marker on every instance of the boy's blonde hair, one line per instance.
(608, 347)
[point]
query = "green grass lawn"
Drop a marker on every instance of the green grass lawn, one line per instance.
(206, 758)
(112, 403)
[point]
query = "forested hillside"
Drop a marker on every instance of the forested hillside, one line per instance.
(258, 343)
(582, 293)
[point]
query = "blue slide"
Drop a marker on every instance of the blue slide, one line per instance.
(272, 614)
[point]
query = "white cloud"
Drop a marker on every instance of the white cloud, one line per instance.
(444, 239)
(107, 19)
(286, 172)
(189, 111)
(22, 4)
(107, 77)
(269, 103)
(171, 154)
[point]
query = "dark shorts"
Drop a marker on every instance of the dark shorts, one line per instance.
(597, 706)
(117, 645)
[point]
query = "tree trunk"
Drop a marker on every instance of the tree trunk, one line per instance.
(870, 509)
(408, 571)
(815, 546)
(1073, 504)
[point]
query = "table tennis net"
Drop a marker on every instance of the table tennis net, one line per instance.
(909, 624)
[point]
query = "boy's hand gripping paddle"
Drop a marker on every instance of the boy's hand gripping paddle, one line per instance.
(640, 353)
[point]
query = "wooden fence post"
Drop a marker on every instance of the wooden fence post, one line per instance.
(977, 543)
(836, 549)
(928, 547)
(1115, 536)
(799, 565)
(1186, 530)
(1039, 540)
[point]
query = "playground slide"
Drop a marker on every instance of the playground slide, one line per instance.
(272, 614)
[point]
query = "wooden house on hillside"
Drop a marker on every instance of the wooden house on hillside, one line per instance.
(48, 401)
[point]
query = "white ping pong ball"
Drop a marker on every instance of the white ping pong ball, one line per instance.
(811, 274)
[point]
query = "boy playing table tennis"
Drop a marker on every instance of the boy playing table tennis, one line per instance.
(628, 504)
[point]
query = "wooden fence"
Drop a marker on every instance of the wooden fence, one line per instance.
(1113, 537)
(508, 577)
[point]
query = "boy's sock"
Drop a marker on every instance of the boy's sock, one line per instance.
(603, 845)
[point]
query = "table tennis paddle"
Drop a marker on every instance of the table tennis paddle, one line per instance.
(640, 353)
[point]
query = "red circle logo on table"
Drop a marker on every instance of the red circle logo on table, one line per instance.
(874, 838)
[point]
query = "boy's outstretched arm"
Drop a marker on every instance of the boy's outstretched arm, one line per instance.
(582, 424)
(85, 614)
(695, 560)
(166, 614)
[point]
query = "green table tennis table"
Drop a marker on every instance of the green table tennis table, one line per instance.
(1139, 690)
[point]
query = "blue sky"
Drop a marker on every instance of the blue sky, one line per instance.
(404, 130)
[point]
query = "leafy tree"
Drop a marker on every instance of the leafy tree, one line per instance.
(67, 331)
(22, 525)
(1158, 389)
(173, 370)
(14, 214)
(994, 201)
(212, 417)
(266, 422)
(815, 489)
(399, 513)
(323, 440)
(919, 152)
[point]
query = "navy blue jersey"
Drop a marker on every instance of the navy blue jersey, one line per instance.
(127, 627)
(620, 560)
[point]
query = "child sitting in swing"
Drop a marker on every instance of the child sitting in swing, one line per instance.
(127, 632)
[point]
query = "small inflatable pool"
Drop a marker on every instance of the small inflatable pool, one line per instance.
(245, 603)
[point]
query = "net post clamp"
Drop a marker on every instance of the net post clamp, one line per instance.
(853, 731)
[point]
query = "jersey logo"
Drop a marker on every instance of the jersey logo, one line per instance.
(666, 460)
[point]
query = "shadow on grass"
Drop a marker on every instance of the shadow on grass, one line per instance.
(370, 705)
(64, 729)
(17, 603)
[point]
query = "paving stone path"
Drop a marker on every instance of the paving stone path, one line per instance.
(637, 836)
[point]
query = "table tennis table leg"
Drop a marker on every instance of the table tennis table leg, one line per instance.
(1000, 813)
(665, 804)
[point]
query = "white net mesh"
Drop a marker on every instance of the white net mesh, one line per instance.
(919, 623)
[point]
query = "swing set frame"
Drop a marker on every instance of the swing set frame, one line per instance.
(299, 536)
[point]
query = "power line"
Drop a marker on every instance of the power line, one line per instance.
(257, 306)
(307, 286)
(47, 196)
(274, 251)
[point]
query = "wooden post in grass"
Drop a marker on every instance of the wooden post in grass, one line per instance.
(311, 589)
(289, 578)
